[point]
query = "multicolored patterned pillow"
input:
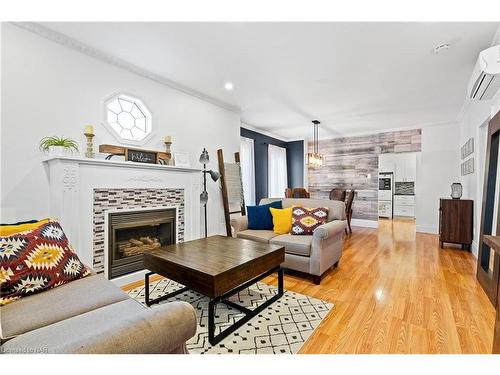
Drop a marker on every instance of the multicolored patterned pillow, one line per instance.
(306, 220)
(35, 260)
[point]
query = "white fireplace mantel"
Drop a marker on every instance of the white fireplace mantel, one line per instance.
(72, 181)
(119, 164)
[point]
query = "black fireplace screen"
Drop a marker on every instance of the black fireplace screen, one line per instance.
(130, 234)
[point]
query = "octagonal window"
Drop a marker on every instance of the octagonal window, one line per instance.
(128, 118)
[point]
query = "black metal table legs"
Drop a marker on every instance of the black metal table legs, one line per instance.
(249, 314)
(150, 302)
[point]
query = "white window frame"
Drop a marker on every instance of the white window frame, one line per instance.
(276, 174)
(140, 103)
(247, 165)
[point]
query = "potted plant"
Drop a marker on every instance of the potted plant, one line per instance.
(58, 146)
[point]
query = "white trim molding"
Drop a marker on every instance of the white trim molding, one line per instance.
(475, 248)
(426, 228)
(81, 47)
(263, 132)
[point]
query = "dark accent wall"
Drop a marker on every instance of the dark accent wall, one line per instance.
(294, 161)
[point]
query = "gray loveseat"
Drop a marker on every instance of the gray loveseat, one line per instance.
(92, 315)
(314, 254)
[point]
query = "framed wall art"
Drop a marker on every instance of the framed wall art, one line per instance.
(467, 167)
(468, 148)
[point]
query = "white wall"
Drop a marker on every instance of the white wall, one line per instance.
(473, 123)
(438, 166)
(48, 89)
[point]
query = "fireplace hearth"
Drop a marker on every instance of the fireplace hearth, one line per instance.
(131, 233)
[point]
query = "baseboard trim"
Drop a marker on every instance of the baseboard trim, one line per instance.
(425, 228)
(475, 249)
(364, 223)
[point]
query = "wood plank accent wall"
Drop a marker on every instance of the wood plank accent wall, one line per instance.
(350, 160)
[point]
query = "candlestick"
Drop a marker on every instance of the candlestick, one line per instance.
(167, 149)
(90, 145)
(89, 129)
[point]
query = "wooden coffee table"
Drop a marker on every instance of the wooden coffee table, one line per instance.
(217, 267)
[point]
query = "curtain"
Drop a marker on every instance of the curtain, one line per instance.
(277, 172)
(247, 169)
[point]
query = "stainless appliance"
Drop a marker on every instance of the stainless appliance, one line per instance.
(385, 190)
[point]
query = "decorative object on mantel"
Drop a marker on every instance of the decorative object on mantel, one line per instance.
(456, 190)
(168, 143)
(135, 155)
(89, 134)
(58, 146)
(204, 159)
(182, 159)
(315, 159)
(233, 198)
(467, 148)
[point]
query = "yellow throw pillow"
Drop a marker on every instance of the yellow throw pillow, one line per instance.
(282, 220)
(7, 230)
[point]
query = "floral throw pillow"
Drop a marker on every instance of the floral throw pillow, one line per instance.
(36, 260)
(306, 220)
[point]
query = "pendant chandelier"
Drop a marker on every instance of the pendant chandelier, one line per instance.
(315, 159)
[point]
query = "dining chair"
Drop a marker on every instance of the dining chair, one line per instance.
(348, 208)
(300, 193)
(337, 194)
(288, 193)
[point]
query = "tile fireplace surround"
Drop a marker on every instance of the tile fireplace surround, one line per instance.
(129, 200)
(76, 184)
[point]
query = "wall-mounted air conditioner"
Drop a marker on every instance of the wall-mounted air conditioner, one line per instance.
(485, 80)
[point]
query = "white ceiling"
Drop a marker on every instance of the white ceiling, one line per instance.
(353, 77)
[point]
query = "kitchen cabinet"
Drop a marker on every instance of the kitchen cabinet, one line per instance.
(386, 163)
(405, 167)
(404, 205)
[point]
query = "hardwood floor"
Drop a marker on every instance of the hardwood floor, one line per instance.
(395, 291)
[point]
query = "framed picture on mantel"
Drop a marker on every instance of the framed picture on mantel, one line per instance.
(141, 156)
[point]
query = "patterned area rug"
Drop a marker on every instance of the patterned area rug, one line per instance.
(282, 328)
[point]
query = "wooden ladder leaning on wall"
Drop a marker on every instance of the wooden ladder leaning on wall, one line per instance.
(231, 186)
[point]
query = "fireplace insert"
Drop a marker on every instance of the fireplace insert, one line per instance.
(131, 233)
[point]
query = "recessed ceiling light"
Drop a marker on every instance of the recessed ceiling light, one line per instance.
(229, 86)
(441, 47)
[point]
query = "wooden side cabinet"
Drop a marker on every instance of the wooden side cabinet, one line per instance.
(456, 222)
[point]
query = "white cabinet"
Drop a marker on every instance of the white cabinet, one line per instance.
(405, 167)
(404, 205)
(386, 163)
(406, 211)
(404, 200)
(411, 167)
(399, 168)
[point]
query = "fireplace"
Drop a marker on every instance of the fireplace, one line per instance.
(131, 233)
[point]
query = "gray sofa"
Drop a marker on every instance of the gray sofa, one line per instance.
(314, 254)
(92, 315)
